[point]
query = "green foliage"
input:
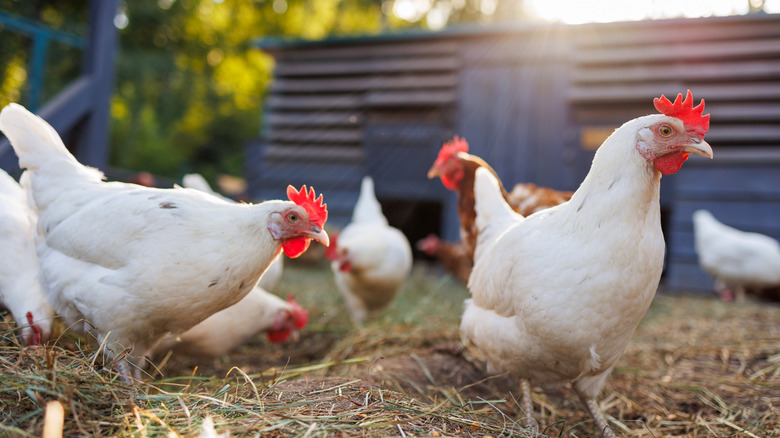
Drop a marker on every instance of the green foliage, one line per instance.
(190, 84)
(63, 63)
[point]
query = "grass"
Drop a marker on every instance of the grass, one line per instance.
(696, 367)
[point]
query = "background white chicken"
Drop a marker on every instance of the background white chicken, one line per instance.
(20, 290)
(258, 311)
(370, 259)
(556, 296)
(740, 260)
(225, 330)
(138, 263)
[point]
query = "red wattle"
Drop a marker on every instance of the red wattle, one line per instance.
(293, 248)
(671, 163)
(277, 336)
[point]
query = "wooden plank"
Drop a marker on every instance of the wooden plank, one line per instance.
(316, 135)
(742, 111)
(99, 67)
(355, 84)
(339, 102)
(752, 134)
(687, 52)
(748, 70)
(370, 48)
(728, 183)
(760, 91)
(410, 98)
(315, 119)
(366, 66)
(757, 157)
(345, 154)
(326, 174)
(672, 31)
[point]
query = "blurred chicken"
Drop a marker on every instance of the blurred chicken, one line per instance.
(20, 290)
(740, 260)
(557, 296)
(370, 259)
(220, 333)
(138, 263)
(452, 256)
(528, 198)
(456, 167)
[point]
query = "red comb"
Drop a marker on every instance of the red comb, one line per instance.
(318, 210)
(452, 147)
(684, 110)
(299, 315)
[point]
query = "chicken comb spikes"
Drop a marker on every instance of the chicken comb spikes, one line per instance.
(452, 147)
(318, 210)
(684, 110)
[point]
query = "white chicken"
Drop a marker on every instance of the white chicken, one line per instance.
(370, 259)
(225, 330)
(273, 274)
(20, 290)
(738, 259)
(258, 311)
(138, 263)
(556, 296)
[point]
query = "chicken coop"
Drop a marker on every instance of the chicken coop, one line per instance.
(533, 100)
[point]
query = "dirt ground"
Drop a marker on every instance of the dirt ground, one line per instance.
(696, 367)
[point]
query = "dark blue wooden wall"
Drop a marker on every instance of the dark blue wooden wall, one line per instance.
(534, 101)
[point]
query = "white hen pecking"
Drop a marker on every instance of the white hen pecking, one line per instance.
(20, 289)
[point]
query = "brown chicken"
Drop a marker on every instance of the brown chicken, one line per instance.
(451, 255)
(456, 168)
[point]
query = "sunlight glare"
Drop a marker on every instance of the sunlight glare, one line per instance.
(578, 11)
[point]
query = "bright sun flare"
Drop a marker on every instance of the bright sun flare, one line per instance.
(581, 11)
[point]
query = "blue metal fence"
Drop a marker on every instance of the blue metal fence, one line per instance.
(42, 36)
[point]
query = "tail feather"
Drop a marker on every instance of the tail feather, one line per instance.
(34, 140)
(367, 208)
(52, 170)
(492, 210)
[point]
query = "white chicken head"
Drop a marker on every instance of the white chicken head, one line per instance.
(677, 133)
(298, 225)
(288, 322)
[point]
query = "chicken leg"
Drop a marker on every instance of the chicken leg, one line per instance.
(598, 416)
(526, 404)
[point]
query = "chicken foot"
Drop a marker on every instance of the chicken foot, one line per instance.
(598, 416)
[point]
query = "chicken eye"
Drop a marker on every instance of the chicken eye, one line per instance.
(665, 130)
(292, 217)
